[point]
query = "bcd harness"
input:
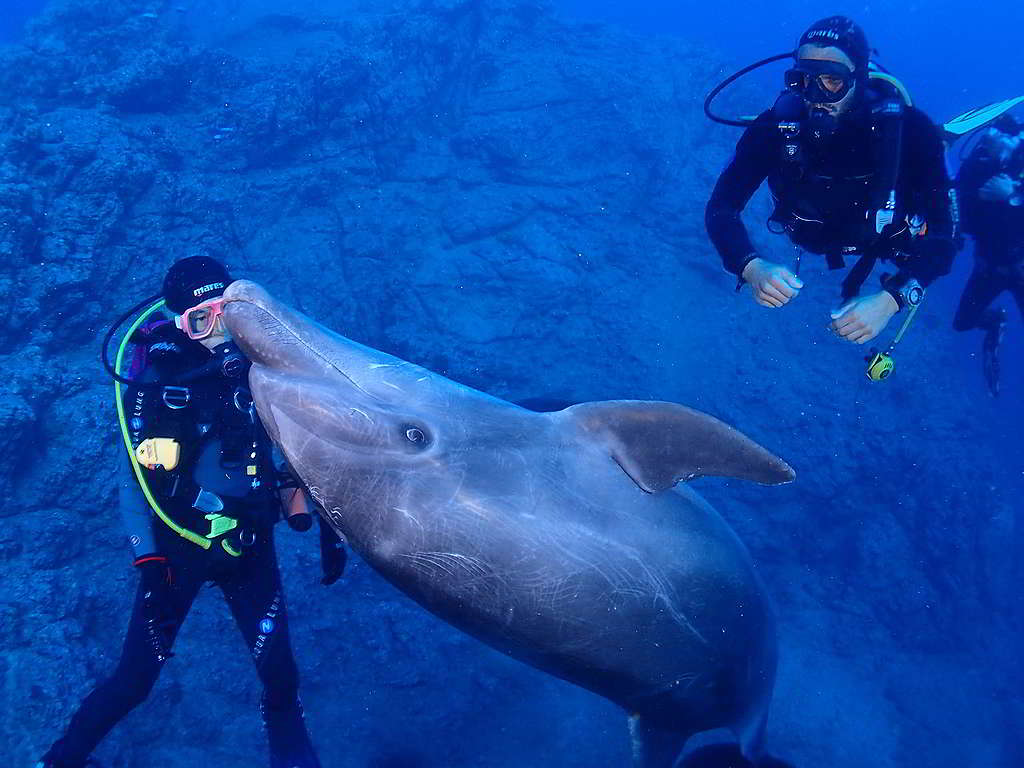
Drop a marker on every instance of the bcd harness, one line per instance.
(797, 205)
(210, 408)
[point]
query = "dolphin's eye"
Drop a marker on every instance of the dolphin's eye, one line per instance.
(415, 435)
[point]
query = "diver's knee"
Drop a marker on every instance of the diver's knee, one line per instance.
(280, 683)
(133, 687)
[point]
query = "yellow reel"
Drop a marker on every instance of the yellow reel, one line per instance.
(879, 366)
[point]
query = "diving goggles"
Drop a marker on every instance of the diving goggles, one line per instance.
(200, 321)
(820, 82)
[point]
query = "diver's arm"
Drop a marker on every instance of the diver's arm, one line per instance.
(749, 167)
(986, 191)
(156, 610)
(976, 214)
(933, 252)
(978, 168)
(332, 552)
(297, 504)
(135, 513)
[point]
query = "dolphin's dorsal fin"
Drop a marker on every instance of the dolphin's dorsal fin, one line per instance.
(660, 444)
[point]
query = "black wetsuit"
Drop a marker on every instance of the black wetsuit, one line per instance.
(998, 230)
(226, 456)
(823, 200)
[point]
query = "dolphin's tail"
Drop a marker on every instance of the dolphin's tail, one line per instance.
(727, 756)
(751, 732)
(655, 747)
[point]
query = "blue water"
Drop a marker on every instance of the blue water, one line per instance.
(14, 15)
(954, 55)
(514, 201)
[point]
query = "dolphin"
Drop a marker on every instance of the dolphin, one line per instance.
(563, 539)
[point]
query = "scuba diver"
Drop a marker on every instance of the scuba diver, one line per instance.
(855, 172)
(199, 497)
(991, 184)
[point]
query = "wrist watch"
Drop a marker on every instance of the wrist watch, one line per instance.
(907, 295)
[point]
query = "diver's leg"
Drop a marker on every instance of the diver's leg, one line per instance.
(974, 312)
(981, 290)
(131, 682)
(254, 595)
(1018, 288)
(995, 329)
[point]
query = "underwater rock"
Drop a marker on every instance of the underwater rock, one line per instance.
(17, 419)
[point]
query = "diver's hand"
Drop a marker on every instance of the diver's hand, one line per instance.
(998, 189)
(772, 284)
(332, 553)
(865, 317)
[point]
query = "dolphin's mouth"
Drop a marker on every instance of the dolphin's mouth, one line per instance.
(244, 319)
(269, 337)
(289, 375)
(266, 337)
(251, 316)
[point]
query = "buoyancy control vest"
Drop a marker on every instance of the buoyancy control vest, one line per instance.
(221, 490)
(839, 194)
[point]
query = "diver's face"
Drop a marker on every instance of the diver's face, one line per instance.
(219, 336)
(836, 56)
(205, 323)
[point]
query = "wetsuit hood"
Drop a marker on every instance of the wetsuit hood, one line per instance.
(842, 33)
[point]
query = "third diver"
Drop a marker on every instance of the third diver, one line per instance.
(991, 183)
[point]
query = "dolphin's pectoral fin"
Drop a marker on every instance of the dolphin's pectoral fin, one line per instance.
(654, 747)
(660, 444)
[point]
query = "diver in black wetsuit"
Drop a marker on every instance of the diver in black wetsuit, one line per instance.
(991, 183)
(204, 458)
(854, 172)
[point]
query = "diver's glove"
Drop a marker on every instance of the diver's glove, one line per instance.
(332, 553)
(157, 604)
(998, 189)
(296, 506)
